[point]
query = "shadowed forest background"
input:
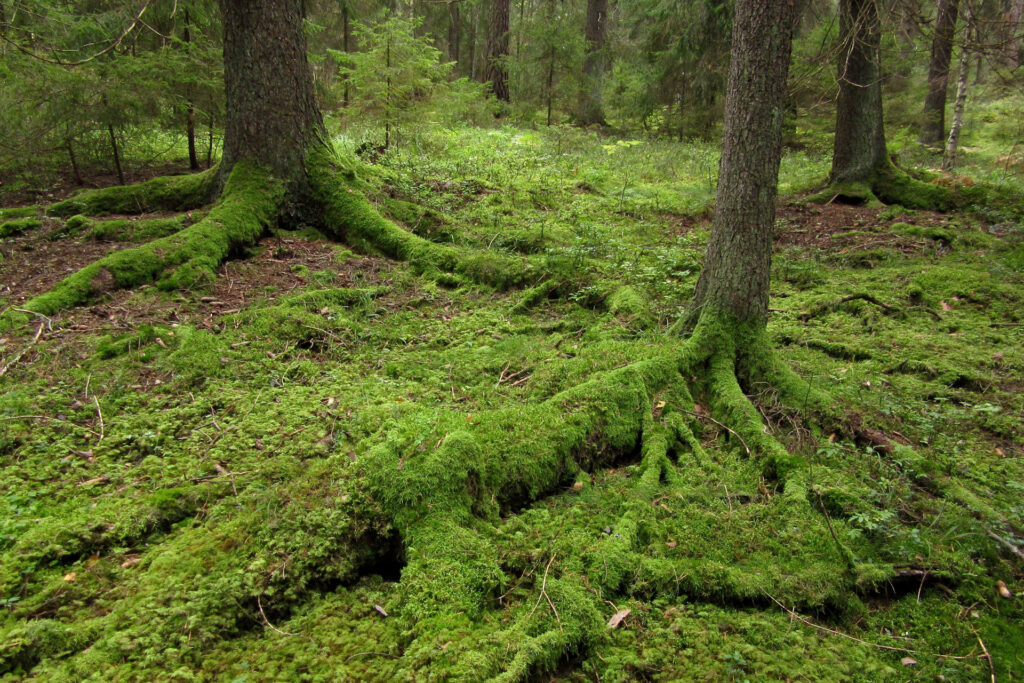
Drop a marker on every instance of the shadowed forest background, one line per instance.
(449, 402)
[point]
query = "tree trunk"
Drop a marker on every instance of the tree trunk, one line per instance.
(497, 49)
(933, 122)
(454, 31)
(952, 143)
(1013, 47)
(117, 154)
(859, 147)
(590, 110)
(190, 107)
(346, 33)
(74, 161)
(734, 280)
(272, 114)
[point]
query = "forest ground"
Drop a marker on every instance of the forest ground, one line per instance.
(135, 425)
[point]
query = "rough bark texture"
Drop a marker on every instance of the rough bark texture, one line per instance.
(933, 122)
(272, 114)
(860, 136)
(590, 109)
(952, 143)
(497, 48)
(735, 277)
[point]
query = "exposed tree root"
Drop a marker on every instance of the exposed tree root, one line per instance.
(168, 193)
(887, 184)
(185, 259)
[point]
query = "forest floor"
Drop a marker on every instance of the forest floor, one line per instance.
(192, 436)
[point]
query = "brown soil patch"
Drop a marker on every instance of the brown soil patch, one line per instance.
(842, 228)
(278, 266)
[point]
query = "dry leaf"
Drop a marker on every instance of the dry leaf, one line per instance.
(1003, 590)
(160, 343)
(69, 577)
(130, 562)
(671, 544)
(908, 661)
(380, 610)
(945, 306)
(578, 486)
(1000, 452)
(618, 617)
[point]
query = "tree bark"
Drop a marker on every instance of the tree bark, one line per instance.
(117, 154)
(590, 110)
(859, 146)
(454, 32)
(933, 122)
(272, 114)
(952, 143)
(735, 277)
(190, 107)
(498, 49)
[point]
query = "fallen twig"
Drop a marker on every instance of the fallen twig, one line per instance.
(99, 413)
(17, 357)
(808, 622)
(267, 621)
(1012, 548)
(708, 417)
(544, 593)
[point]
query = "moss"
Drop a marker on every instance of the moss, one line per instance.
(895, 186)
(17, 226)
(167, 193)
(184, 260)
(19, 212)
(351, 218)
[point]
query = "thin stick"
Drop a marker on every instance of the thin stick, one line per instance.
(991, 667)
(543, 586)
(98, 413)
(810, 623)
(17, 357)
(1014, 549)
(708, 417)
(49, 322)
(267, 621)
(47, 417)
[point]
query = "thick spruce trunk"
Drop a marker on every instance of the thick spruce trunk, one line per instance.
(859, 147)
(590, 110)
(734, 280)
(933, 123)
(497, 48)
(272, 114)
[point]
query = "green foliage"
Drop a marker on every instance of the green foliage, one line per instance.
(396, 72)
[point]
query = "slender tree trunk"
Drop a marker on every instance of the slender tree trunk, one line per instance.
(117, 154)
(497, 49)
(272, 114)
(190, 107)
(550, 88)
(471, 39)
(74, 160)
(454, 32)
(590, 110)
(735, 277)
(346, 33)
(859, 148)
(952, 143)
(387, 96)
(933, 122)
(1014, 55)
(209, 144)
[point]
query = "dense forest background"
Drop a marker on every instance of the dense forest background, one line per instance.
(469, 417)
(111, 89)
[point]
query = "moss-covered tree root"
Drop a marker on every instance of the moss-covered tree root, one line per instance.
(429, 493)
(185, 259)
(166, 193)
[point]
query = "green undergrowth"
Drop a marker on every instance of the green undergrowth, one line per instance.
(395, 475)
